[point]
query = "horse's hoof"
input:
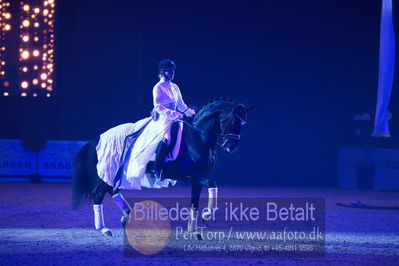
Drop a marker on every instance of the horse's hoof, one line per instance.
(198, 235)
(106, 232)
(124, 220)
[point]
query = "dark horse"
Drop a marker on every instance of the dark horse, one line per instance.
(217, 123)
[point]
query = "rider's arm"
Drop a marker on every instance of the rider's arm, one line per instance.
(181, 106)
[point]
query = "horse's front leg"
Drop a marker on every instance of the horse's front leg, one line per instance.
(192, 226)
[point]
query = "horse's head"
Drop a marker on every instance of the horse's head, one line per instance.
(230, 127)
(228, 117)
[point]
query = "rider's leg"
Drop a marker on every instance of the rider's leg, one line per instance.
(160, 152)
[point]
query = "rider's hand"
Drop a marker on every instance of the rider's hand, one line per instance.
(178, 115)
(190, 112)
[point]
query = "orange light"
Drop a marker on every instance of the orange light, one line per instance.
(43, 76)
(23, 94)
(5, 94)
(35, 95)
(48, 95)
(50, 1)
(36, 10)
(45, 12)
(24, 84)
(3, 63)
(25, 7)
(25, 55)
(25, 23)
(49, 66)
(7, 15)
(35, 67)
(35, 82)
(6, 83)
(25, 38)
(36, 39)
(7, 27)
(36, 53)
(36, 24)
(24, 69)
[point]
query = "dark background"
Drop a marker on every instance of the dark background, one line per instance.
(307, 67)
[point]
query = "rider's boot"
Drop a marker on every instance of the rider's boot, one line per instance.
(160, 152)
(99, 220)
(124, 206)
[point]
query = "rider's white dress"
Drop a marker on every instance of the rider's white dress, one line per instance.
(167, 98)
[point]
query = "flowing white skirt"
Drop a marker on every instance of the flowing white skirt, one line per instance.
(110, 150)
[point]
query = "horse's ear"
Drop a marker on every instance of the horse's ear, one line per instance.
(241, 113)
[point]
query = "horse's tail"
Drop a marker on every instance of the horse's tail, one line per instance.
(84, 174)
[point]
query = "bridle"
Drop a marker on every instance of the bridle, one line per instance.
(225, 136)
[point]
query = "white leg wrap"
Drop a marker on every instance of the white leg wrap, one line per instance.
(122, 203)
(98, 216)
(212, 203)
(192, 221)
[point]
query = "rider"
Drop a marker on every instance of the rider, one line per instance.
(168, 106)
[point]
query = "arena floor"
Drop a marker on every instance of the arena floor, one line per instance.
(38, 227)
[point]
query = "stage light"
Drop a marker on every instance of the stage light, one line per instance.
(24, 84)
(25, 23)
(32, 22)
(6, 83)
(25, 55)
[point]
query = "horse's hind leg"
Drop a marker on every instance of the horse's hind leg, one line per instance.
(98, 195)
(123, 205)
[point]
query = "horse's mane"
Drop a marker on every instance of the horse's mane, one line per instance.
(218, 103)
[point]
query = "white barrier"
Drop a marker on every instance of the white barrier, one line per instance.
(384, 167)
(15, 160)
(54, 160)
(57, 157)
